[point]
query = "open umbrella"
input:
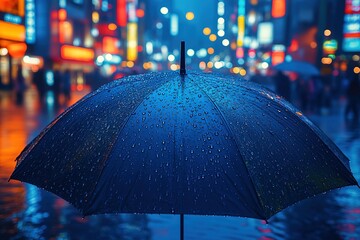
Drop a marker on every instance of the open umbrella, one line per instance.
(300, 67)
(183, 144)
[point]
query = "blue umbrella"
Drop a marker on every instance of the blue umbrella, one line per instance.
(183, 144)
(299, 67)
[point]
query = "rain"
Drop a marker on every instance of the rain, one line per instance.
(159, 120)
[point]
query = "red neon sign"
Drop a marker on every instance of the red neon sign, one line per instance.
(121, 14)
(278, 8)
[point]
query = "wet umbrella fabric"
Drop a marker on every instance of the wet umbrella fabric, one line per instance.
(300, 67)
(199, 144)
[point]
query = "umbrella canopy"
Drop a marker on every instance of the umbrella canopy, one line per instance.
(300, 67)
(189, 144)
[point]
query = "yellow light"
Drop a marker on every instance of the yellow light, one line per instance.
(236, 70)
(206, 31)
(356, 58)
(12, 31)
(132, 41)
(233, 45)
(242, 72)
(130, 64)
(210, 50)
(202, 65)
(212, 37)
(95, 17)
(326, 60)
(189, 16)
(241, 31)
(356, 70)
(112, 26)
(327, 32)
(173, 67)
(210, 65)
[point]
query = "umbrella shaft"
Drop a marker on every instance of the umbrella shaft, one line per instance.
(181, 226)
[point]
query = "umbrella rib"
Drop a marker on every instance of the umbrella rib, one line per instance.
(32, 144)
(317, 132)
(236, 143)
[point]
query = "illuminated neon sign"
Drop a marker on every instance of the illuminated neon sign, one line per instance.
(241, 23)
(12, 18)
(351, 31)
(30, 21)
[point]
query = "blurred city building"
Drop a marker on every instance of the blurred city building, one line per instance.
(113, 38)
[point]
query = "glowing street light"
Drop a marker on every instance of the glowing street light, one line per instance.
(164, 10)
(189, 16)
(206, 31)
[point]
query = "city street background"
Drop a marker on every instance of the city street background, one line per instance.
(52, 53)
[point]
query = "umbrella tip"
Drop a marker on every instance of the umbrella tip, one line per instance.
(182, 59)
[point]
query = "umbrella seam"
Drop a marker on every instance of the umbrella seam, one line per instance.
(317, 132)
(31, 145)
(116, 139)
(236, 143)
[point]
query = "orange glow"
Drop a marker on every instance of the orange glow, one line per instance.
(12, 31)
(17, 49)
(212, 37)
(77, 53)
(12, 6)
(326, 60)
(356, 70)
(65, 32)
(130, 64)
(210, 50)
(140, 13)
(277, 57)
(206, 31)
(62, 14)
(327, 33)
(110, 45)
(112, 26)
(278, 8)
(294, 46)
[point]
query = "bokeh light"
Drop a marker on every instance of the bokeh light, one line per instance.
(206, 31)
(212, 37)
(190, 16)
(164, 10)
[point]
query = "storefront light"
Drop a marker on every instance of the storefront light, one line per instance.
(190, 16)
(190, 52)
(221, 33)
(164, 10)
(171, 58)
(3, 51)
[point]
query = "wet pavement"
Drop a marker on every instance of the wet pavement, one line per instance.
(27, 212)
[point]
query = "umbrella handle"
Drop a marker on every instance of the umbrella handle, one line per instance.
(181, 226)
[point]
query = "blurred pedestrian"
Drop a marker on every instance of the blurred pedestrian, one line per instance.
(67, 84)
(39, 81)
(353, 96)
(283, 85)
(19, 85)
